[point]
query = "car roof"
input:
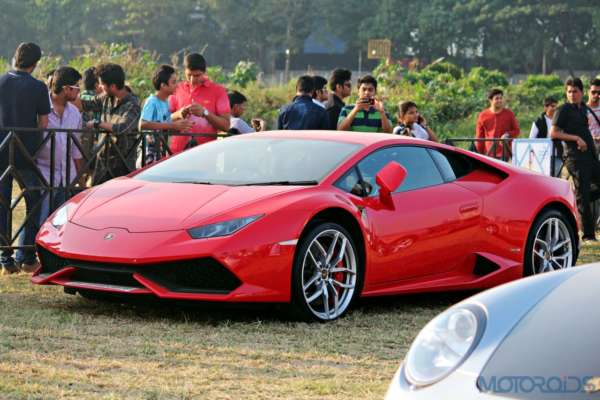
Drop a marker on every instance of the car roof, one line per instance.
(363, 138)
(373, 139)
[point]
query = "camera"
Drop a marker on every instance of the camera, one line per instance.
(370, 101)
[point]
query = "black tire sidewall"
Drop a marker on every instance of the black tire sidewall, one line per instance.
(299, 305)
(539, 221)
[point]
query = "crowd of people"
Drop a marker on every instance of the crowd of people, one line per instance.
(201, 108)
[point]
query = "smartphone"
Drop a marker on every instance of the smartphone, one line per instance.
(368, 101)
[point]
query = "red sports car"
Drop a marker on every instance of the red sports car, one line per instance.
(315, 219)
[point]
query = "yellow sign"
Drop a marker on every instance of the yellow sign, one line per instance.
(379, 48)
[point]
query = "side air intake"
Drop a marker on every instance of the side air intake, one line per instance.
(484, 266)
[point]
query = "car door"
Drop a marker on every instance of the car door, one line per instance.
(429, 227)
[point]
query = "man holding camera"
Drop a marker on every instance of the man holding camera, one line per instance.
(368, 114)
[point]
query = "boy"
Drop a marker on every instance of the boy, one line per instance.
(156, 115)
(237, 102)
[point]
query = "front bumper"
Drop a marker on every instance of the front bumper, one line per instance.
(168, 265)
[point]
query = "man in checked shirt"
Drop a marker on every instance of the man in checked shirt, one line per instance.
(119, 115)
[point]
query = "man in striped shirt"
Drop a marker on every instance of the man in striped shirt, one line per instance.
(368, 114)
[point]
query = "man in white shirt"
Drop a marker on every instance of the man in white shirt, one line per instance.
(540, 129)
(541, 126)
(321, 95)
(237, 125)
(593, 114)
(63, 115)
(594, 110)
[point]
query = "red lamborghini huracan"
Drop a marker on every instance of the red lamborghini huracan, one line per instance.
(315, 219)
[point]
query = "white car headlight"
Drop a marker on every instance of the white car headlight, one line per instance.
(444, 344)
(61, 217)
(221, 228)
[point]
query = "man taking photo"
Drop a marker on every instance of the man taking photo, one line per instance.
(368, 114)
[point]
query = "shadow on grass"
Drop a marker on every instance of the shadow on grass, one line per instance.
(151, 308)
(433, 300)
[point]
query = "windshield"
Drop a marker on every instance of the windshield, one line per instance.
(253, 161)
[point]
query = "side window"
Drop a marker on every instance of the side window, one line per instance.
(350, 182)
(420, 167)
(461, 165)
(443, 165)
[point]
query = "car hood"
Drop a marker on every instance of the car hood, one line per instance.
(556, 339)
(140, 206)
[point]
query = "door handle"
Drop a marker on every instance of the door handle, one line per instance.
(468, 208)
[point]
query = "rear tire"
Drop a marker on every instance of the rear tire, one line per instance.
(551, 244)
(327, 274)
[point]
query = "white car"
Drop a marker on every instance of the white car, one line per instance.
(537, 338)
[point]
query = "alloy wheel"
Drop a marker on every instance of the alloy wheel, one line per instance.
(553, 247)
(329, 274)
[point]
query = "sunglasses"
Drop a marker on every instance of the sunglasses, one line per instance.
(595, 92)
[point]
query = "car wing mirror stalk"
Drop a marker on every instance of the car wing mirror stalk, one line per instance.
(389, 179)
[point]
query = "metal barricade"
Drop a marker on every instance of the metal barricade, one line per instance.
(496, 148)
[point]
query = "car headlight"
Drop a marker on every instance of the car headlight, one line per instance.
(61, 216)
(444, 344)
(221, 228)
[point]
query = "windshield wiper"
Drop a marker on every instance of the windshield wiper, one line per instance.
(195, 182)
(281, 183)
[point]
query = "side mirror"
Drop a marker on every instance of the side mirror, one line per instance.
(389, 178)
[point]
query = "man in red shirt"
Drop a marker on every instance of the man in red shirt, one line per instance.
(202, 101)
(495, 122)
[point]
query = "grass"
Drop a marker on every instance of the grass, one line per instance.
(55, 346)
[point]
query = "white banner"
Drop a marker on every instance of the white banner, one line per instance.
(533, 154)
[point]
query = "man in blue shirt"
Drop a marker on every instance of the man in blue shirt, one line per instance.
(302, 113)
(24, 103)
(156, 115)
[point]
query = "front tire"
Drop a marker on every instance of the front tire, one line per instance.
(327, 275)
(550, 245)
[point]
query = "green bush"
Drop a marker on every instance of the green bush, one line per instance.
(216, 74)
(139, 65)
(244, 73)
(446, 67)
(388, 74)
(4, 65)
(486, 79)
(265, 101)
